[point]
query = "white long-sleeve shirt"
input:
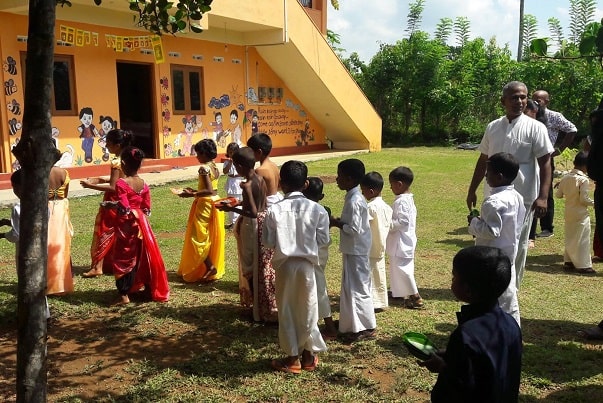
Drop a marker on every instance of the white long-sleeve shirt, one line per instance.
(402, 237)
(500, 221)
(355, 235)
(296, 227)
(380, 220)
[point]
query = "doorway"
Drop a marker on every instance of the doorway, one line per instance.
(135, 95)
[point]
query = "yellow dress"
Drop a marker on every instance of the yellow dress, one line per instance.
(60, 231)
(204, 234)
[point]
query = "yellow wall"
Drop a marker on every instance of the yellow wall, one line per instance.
(226, 85)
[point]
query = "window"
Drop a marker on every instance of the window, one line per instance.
(187, 95)
(63, 101)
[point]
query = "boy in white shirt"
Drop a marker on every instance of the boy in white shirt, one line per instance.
(574, 187)
(501, 219)
(296, 228)
(380, 219)
(356, 310)
(314, 192)
(402, 240)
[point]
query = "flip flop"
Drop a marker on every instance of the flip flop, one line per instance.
(595, 333)
(312, 366)
(586, 270)
(280, 365)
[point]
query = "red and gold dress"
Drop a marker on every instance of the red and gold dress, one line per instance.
(104, 234)
(137, 262)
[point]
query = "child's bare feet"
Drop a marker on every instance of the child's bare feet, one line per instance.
(123, 300)
(92, 273)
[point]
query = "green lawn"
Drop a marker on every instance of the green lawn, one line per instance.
(200, 346)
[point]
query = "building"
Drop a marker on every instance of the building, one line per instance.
(258, 66)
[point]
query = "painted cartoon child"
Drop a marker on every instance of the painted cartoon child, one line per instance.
(87, 132)
(254, 123)
(219, 133)
(190, 126)
(107, 124)
(235, 130)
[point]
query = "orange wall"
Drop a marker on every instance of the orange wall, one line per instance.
(226, 86)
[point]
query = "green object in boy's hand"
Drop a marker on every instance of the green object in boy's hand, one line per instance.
(474, 213)
(418, 345)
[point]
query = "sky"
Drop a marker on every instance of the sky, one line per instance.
(363, 25)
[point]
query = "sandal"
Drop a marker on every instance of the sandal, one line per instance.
(586, 270)
(594, 333)
(313, 365)
(414, 302)
(280, 365)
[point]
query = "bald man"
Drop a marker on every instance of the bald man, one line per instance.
(555, 123)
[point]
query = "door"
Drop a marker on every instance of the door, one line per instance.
(135, 93)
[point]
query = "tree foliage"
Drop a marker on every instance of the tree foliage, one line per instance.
(582, 12)
(530, 29)
(427, 91)
(415, 16)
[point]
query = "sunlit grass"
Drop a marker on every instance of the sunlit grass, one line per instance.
(227, 357)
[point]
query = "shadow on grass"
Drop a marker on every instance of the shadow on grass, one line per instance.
(550, 264)
(216, 344)
(571, 394)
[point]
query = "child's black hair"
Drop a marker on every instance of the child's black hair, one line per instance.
(260, 141)
(581, 159)
(231, 148)
(353, 168)
(373, 180)
(244, 157)
(294, 175)
(207, 147)
(504, 164)
(120, 137)
(485, 270)
(402, 174)
(131, 158)
(532, 105)
(314, 189)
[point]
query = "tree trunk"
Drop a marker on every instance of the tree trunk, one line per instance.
(520, 44)
(36, 154)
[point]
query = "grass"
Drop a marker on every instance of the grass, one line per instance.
(200, 346)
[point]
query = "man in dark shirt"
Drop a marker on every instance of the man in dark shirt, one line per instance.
(482, 362)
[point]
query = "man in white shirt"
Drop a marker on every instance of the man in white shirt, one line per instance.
(555, 123)
(528, 141)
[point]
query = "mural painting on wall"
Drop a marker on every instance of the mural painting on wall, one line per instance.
(87, 132)
(280, 120)
(107, 124)
(233, 130)
(9, 65)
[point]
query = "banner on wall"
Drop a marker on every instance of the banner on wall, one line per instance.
(157, 49)
(80, 37)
